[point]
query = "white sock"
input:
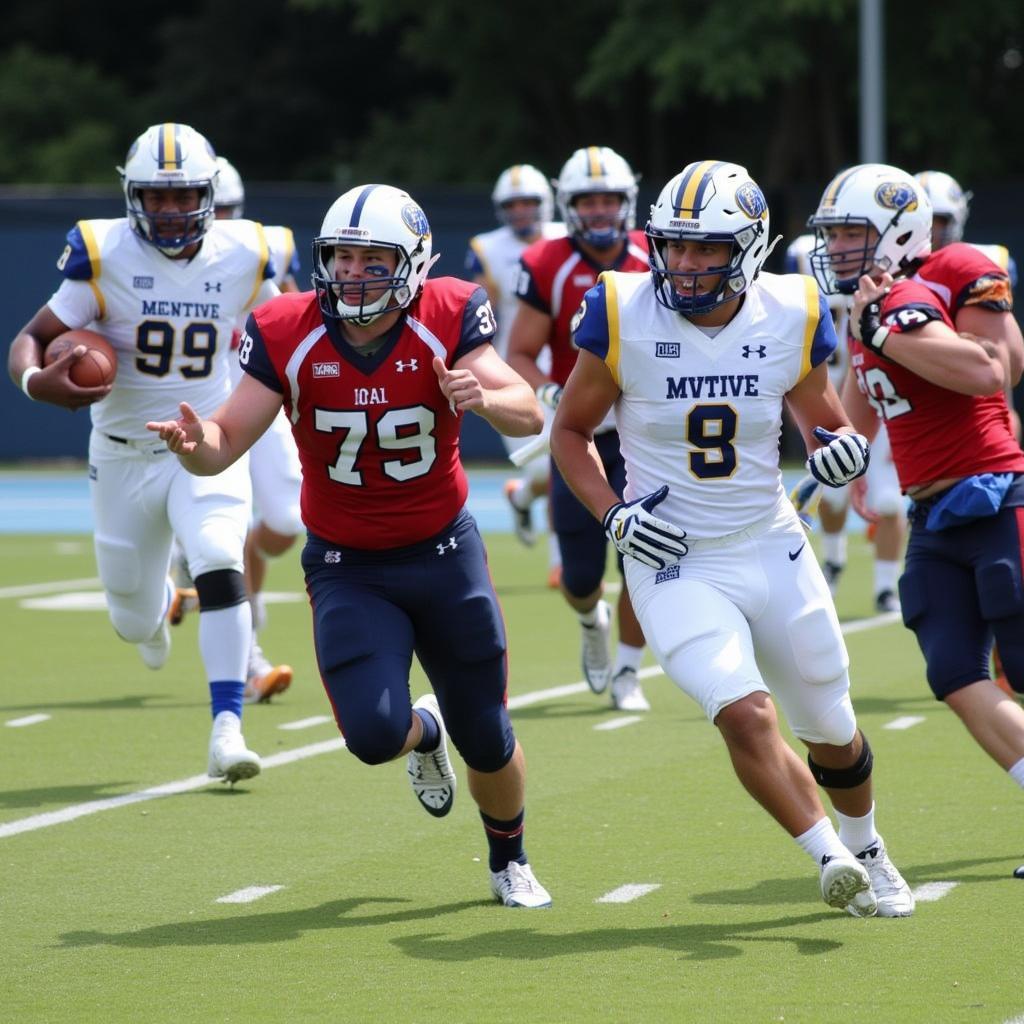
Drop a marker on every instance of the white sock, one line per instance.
(821, 840)
(627, 657)
(554, 552)
(588, 618)
(857, 834)
(1017, 773)
(833, 547)
(225, 637)
(886, 575)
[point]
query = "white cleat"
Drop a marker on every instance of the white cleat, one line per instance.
(517, 887)
(627, 694)
(431, 774)
(522, 522)
(891, 890)
(597, 662)
(155, 651)
(845, 884)
(230, 759)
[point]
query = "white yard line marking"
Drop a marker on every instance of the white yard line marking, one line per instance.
(17, 723)
(932, 891)
(306, 723)
(627, 893)
(904, 722)
(249, 895)
(859, 625)
(1019, 1019)
(53, 587)
(617, 723)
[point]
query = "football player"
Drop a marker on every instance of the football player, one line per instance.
(166, 285)
(883, 498)
(937, 347)
(375, 369)
(596, 195)
(697, 357)
(524, 206)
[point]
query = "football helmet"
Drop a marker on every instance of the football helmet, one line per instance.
(523, 181)
(949, 200)
(712, 201)
(169, 156)
(229, 192)
(877, 196)
(383, 217)
(596, 169)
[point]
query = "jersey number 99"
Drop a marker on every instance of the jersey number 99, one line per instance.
(155, 340)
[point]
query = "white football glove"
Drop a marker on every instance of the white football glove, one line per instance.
(549, 394)
(635, 532)
(843, 458)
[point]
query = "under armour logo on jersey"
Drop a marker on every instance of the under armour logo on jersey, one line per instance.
(761, 350)
(212, 286)
(450, 546)
(332, 557)
(412, 365)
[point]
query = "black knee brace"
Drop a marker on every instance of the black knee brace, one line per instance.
(221, 588)
(845, 778)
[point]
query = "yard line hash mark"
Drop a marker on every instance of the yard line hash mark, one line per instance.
(17, 723)
(306, 723)
(932, 891)
(249, 895)
(904, 722)
(616, 723)
(628, 893)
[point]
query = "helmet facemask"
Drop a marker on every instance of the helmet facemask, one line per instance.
(152, 227)
(592, 229)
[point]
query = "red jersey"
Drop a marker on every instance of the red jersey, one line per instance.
(936, 433)
(377, 440)
(556, 275)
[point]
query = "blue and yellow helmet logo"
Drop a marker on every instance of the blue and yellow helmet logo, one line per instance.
(750, 199)
(895, 195)
(415, 220)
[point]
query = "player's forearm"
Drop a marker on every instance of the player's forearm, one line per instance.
(25, 351)
(581, 467)
(212, 455)
(942, 357)
(513, 410)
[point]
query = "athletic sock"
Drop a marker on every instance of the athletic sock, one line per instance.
(627, 657)
(833, 547)
(886, 575)
(1017, 773)
(504, 840)
(588, 618)
(821, 841)
(226, 695)
(431, 738)
(857, 834)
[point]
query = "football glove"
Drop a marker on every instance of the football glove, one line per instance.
(843, 457)
(635, 532)
(549, 394)
(872, 334)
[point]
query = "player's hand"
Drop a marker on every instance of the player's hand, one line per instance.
(632, 528)
(460, 387)
(53, 383)
(183, 436)
(549, 394)
(843, 457)
(865, 314)
(859, 501)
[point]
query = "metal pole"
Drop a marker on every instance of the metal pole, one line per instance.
(872, 82)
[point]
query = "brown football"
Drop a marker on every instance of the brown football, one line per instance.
(98, 366)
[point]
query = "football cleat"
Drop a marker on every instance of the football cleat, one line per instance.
(516, 886)
(554, 577)
(627, 694)
(431, 774)
(229, 758)
(845, 884)
(832, 571)
(521, 521)
(156, 650)
(597, 662)
(886, 601)
(264, 680)
(185, 599)
(891, 891)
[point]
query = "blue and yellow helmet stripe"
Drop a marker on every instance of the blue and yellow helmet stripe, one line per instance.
(835, 186)
(169, 149)
(595, 168)
(693, 185)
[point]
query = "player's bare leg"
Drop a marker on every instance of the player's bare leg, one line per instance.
(994, 719)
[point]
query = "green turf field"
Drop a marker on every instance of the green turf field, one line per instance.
(383, 913)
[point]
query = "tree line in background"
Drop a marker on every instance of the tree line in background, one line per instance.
(451, 91)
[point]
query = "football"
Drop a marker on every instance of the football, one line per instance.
(97, 367)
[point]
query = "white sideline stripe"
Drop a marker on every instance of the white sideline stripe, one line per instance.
(17, 723)
(904, 722)
(54, 587)
(37, 821)
(306, 723)
(617, 723)
(932, 891)
(249, 895)
(627, 893)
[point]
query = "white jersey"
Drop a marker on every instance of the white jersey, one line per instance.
(704, 414)
(281, 243)
(494, 255)
(170, 321)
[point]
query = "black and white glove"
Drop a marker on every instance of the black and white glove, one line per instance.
(869, 330)
(843, 458)
(549, 394)
(635, 532)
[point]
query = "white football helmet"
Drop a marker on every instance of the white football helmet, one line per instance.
(596, 169)
(523, 181)
(229, 193)
(877, 196)
(383, 217)
(949, 200)
(713, 201)
(169, 156)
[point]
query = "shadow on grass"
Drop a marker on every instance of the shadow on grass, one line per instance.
(131, 702)
(40, 797)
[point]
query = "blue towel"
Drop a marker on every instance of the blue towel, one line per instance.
(975, 497)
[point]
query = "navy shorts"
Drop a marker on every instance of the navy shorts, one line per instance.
(962, 588)
(581, 538)
(373, 609)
